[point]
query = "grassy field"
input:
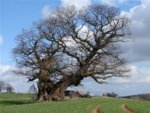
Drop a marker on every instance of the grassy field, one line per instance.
(21, 103)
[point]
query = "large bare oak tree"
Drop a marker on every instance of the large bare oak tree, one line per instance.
(70, 45)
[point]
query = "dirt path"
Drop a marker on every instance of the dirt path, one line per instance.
(127, 109)
(96, 109)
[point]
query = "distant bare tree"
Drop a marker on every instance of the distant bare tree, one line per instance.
(2, 85)
(9, 88)
(112, 94)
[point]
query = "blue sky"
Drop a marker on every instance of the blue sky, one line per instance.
(16, 15)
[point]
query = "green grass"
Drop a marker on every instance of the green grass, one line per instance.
(21, 103)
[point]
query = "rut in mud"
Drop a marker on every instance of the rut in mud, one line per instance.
(96, 109)
(127, 109)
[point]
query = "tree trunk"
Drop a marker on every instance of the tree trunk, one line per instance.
(43, 94)
(58, 93)
(55, 93)
(44, 86)
(48, 91)
(59, 89)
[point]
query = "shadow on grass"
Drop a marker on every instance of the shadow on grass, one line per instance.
(14, 102)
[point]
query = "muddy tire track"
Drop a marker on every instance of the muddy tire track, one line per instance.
(127, 109)
(97, 109)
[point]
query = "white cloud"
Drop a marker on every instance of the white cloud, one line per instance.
(5, 68)
(133, 69)
(138, 75)
(140, 16)
(1, 40)
(46, 11)
(113, 2)
(18, 82)
(79, 4)
(138, 49)
(147, 2)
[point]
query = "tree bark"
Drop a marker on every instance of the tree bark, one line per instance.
(44, 87)
(58, 92)
(59, 89)
(42, 92)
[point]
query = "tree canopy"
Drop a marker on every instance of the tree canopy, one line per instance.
(70, 45)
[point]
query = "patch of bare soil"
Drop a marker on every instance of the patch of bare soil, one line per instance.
(96, 109)
(127, 109)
